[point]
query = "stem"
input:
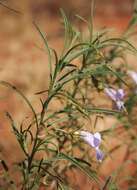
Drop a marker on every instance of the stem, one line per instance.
(106, 183)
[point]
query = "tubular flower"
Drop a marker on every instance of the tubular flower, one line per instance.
(94, 140)
(117, 96)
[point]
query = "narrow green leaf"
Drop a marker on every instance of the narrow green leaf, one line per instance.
(90, 173)
(120, 40)
(47, 47)
(6, 84)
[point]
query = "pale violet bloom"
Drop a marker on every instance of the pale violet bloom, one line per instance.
(93, 140)
(117, 96)
(133, 75)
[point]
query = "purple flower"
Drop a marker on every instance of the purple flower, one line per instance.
(93, 140)
(117, 96)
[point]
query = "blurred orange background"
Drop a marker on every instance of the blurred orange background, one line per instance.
(22, 62)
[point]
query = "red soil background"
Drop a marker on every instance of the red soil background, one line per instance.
(23, 64)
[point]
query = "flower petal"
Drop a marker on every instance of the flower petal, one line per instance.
(120, 104)
(87, 137)
(97, 139)
(111, 93)
(99, 155)
(133, 75)
(97, 135)
(120, 94)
